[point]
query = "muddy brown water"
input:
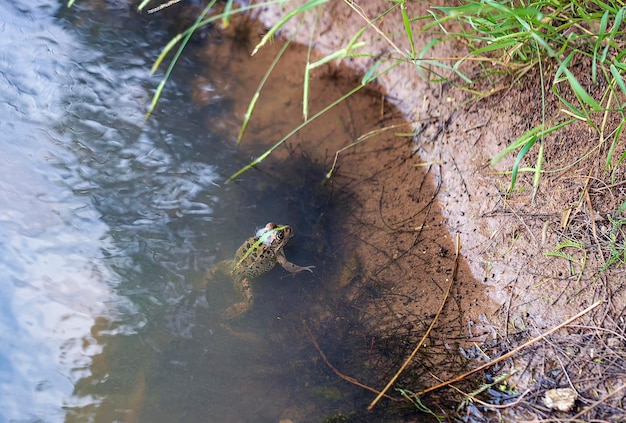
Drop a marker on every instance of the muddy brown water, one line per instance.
(110, 221)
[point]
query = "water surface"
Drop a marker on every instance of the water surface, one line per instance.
(106, 221)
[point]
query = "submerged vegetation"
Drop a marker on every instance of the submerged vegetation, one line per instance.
(506, 41)
(508, 38)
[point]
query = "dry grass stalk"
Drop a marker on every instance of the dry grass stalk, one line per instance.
(432, 324)
(512, 352)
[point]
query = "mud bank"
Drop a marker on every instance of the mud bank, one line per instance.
(504, 241)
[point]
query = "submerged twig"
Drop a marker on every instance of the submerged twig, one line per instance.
(512, 352)
(421, 342)
(336, 371)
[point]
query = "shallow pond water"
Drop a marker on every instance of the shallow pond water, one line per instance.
(108, 221)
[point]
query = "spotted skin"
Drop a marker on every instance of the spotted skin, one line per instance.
(257, 255)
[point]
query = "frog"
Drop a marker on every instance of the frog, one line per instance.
(256, 256)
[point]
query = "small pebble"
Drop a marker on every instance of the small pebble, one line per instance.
(561, 399)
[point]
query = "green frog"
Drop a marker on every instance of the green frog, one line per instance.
(255, 257)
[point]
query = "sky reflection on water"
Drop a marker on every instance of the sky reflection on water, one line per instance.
(84, 189)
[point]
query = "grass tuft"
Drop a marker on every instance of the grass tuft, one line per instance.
(515, 36)
(503, 37)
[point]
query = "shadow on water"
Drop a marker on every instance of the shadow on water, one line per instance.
(127, 216)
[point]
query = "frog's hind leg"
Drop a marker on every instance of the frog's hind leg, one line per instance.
(237, 309)
(195, 297)
(223, 267)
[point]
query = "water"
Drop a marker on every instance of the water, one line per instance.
(106, 221)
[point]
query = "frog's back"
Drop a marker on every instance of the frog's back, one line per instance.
(253, 259)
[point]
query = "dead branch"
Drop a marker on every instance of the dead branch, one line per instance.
(432, 324)
(336, 371)
(512, 352)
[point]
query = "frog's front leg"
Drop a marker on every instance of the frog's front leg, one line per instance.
(290, 267)
(245, 291)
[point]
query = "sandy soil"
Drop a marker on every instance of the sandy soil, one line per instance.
(505, 242)
(412, 195)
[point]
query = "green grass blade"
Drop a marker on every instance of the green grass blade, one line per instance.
(307, 70)
(268, 36)
(143, 4)
(255, 97)
(339, 54)
(370, 75)
(344, 52)
(518, 160)
(407, 26)
(248, 115)
(269, 151)
(537, 131)
(599, 39)
(580, 92)
(561, 254)
(227, 13)
(185, 35)
(170, 68)
(617, 77)
(619, 17)
(263, 156)
(166, 50)
(204, 22)
(609, 156)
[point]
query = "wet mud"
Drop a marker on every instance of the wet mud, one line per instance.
(382, 235)
(516, 243)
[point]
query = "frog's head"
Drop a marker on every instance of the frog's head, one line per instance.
(275, 236)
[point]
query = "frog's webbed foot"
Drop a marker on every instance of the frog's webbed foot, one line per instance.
(290, 267)
(294, 268)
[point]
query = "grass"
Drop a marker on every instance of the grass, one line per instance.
(516, 36)
(560, 251)
(505, 38)
(616, 242)
(510, 37)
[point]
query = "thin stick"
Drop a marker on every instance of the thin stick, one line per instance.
(337, 372)
(600, 401)
(361, 13)
(486, 404)
(512, 352)
(421, 342)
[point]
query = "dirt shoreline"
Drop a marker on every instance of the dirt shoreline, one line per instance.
(505, 241)
(497, 244)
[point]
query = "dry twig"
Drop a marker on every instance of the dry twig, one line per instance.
(512, 352)
(421, 342)
(336, 371)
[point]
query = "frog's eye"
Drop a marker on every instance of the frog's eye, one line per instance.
(280, 235)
